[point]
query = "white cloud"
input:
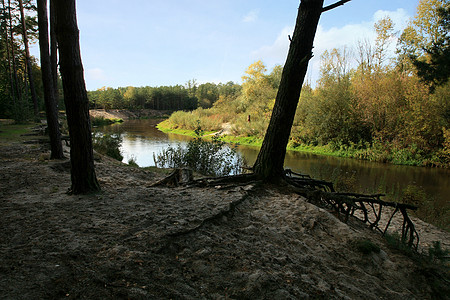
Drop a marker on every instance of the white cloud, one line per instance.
(327, 39)
(277, 52)
(400, 17)
(252, 16)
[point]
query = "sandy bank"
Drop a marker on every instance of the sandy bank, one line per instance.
(134, 241)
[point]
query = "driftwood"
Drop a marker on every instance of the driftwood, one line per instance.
(347, 204)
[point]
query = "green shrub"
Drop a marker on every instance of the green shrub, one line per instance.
(132, 161)
(108, 144)
(212, 158)
(366, 246)
(436, 253)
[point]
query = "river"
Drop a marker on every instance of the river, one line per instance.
(141, 139)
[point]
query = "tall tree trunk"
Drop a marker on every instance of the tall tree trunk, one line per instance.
(270, 161)
(83, 175)
(8, 56)
(54, 51)
(28, 60)
(13, 56)
(47, 80)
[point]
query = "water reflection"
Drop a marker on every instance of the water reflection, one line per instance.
(141, 139)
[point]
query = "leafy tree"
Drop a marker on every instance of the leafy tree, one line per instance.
(424, 43)
(384, 29)
(435, 68)
(207, 94)
(257, 90)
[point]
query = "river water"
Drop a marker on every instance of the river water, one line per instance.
(141, 139)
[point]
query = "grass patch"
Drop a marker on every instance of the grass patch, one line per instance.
(14, 132)
(377, 152)
(164, 126)
(208, 135)
(101, 121)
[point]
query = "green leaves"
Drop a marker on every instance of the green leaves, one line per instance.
(211, 158)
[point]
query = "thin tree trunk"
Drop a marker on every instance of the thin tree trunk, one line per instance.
(8, 56)
(54, 51)
(47, 80)
(270, 161)
(83, 175)
(28, 60)
(13, 57)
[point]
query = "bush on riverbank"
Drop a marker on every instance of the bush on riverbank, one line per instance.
(212, 158)
(108, 144)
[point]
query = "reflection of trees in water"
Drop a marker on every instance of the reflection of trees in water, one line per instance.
(142, 139)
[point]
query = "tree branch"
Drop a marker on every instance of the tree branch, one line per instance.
(339, 3)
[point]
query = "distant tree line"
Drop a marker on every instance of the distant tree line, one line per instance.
(178, 97)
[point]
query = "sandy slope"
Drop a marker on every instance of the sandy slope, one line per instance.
(140, 242)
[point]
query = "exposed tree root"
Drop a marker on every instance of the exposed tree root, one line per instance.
(347, 204)
(242, 179)
(319, 192)
(170, 239)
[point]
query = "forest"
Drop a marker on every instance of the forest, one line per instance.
(368, 103)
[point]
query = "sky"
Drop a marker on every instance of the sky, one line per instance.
(168, 42)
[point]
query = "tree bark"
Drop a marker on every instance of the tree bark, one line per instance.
(270, 161)
(47, 80)
(54, 51)
(13, 57)
(83, 175)
(28, 60)
(8, 55)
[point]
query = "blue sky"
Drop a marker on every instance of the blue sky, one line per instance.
(168, 42)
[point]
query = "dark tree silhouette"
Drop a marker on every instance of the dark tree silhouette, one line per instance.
(47, 80)
(83, 175)
(28, 60)
(54, 50)
(270, 161)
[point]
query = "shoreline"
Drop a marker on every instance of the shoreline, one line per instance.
(257, 142)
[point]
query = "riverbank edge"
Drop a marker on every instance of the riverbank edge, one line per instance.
(126, 114)
(360, 154)
(94, 254)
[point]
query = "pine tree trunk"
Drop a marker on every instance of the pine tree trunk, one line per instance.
(8, 55)
(83, 175)
(13, 57)
(28, 60)
(47, 80)
(54, 51)
(270, 161)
